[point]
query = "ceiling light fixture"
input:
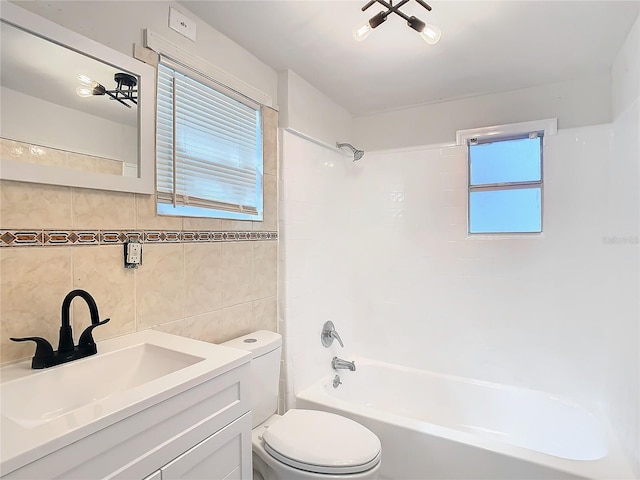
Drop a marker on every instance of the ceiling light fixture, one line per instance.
(429, 33)
(125, 88)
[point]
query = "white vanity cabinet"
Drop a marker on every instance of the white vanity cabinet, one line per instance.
(201, 432)
(225, 455)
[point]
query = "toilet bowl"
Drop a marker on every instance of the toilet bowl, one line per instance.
(300, 444)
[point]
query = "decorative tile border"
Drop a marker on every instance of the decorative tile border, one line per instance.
(46, 238)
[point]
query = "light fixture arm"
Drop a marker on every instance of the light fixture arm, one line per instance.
(368, 5)
(425, 5)
(430, 33)
(391, 8)
(115, 97)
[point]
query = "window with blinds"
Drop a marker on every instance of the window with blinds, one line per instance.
(208, 149)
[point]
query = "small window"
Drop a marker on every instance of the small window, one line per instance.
(505, 184)
(208, 149)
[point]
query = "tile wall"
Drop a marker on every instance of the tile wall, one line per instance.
(316, 268)
(209, 279)
(501, 308)
(407, 285)
(622, 293)
(404, 283)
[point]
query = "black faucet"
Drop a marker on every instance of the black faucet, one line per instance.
(67, 351)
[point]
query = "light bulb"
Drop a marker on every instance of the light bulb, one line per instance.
(83, 91)
(431, 34)
(83, 79)
(362, 31)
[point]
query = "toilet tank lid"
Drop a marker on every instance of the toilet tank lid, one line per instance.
(258, 343)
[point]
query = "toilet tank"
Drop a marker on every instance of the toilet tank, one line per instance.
(266, 350)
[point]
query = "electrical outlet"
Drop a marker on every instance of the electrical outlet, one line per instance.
(181, 24)
(132, 254)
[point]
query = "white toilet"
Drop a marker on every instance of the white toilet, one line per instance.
(301, 444)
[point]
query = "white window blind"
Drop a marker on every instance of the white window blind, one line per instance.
(208, 150)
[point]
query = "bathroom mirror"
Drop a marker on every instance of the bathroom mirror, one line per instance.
(72, 112)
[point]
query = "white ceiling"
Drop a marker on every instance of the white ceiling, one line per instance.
(486, 46)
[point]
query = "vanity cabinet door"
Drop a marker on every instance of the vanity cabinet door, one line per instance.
(224, 455)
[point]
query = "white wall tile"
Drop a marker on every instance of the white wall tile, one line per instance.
(387, 257)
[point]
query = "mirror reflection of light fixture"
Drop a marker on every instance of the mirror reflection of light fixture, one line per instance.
(125, 88)
(429, 33)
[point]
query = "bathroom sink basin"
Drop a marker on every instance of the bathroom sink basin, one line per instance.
(43, 410)
(36, 399)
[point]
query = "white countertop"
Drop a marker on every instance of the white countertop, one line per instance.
(29, 435)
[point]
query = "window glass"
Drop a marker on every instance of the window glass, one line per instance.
(516, 210)
(506, 161)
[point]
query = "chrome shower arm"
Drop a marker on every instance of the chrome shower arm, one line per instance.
(357, 154)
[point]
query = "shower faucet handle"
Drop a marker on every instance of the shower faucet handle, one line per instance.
(329, 333)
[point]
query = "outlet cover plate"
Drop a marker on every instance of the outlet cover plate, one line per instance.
(181, 24)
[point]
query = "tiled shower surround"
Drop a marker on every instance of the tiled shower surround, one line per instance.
(208, 279)
(405, 284)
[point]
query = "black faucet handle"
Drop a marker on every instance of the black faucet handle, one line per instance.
(86, 338)
(44, 350)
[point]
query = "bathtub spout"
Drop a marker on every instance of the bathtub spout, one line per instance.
(338, 363)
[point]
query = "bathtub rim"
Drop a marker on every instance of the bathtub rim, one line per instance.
(614, 465)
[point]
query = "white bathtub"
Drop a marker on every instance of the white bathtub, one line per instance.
(441, 427)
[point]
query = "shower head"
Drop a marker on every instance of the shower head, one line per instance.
(357, 154)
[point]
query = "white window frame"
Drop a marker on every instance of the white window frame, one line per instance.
(217, 79)
(549, 126)
(502, 133)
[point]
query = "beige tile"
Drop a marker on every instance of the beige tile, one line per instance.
(160, 285)
(203, 277)
(236, 321)
(270, 140)
(90, 163)
(12, 150)
(223, 325)
(32, 205)
(47, 156)
(201, 224)
(236, 273)
(270, 215)
(265, 314)
(265, 269)
(100, 271)
(33, 284)
(175, 328)
(236, 225)
(34, 154)
(208, 327)
(148, 219)
(99, 209)
(77, 161)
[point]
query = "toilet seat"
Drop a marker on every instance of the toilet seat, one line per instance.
(322, 442)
